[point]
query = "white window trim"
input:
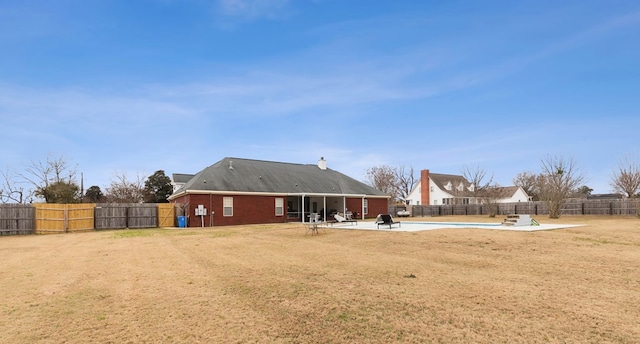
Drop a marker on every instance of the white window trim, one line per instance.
(227, 203)
(279, 206)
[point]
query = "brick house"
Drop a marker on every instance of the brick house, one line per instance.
(236, 191)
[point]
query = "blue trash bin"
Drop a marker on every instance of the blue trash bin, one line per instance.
(182, 221)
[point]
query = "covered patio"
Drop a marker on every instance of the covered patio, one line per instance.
(300, 207)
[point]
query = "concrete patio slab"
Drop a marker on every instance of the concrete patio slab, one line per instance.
(415, 226)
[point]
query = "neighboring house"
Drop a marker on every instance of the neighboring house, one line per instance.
(510, 194)
(445, 189)
(244, 191)
(179, 179)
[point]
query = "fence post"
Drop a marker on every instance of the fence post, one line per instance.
(66, 219)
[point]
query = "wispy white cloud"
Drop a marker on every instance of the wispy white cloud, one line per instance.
(253, 9)
(344, 73)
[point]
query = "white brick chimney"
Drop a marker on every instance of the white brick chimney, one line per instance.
(322, 164)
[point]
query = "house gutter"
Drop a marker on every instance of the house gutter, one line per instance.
(250, 193)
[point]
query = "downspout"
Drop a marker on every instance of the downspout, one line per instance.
(210, 210)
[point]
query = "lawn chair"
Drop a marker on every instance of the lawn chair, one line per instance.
(386, 219)
(341, 219)
(348, 215)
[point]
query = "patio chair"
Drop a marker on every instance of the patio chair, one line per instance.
(341, 219)
(386, 219)
(314, 223)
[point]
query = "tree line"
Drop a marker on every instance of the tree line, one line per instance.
(558, 180)
(55, 180)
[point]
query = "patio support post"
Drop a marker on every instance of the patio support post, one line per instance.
(303, 209)
(324, 207)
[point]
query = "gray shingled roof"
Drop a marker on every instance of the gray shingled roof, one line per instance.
(182, 178)
(443, 179)
(257, 176)
(504, 191)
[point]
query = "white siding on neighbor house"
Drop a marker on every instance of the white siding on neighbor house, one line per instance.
(176, 186)
(415, 197)
(518, 196)
(436, 195)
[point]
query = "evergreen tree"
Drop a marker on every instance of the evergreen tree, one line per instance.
(158, 188)
(94, 194)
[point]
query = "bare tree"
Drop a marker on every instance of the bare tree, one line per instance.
(11, 191)
(558, 180)
(125, 190)
(483, 188)
(394, 181)
(406, 179)
(626, 178)
(529, 182)
(53, 180)
(383, 178)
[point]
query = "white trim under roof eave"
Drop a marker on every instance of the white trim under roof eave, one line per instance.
(176, 195)
(249, 193)
(231, 192)
(336, 195)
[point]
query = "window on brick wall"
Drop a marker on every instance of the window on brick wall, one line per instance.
(365, 206)
(227, 206)
(279, 206)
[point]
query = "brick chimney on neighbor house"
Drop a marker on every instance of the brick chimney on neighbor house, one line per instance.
(425, 197)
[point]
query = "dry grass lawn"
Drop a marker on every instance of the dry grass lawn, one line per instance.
(275, 284)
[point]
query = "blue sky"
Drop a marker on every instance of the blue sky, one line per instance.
(137, 86)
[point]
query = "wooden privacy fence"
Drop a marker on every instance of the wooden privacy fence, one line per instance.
(167, 215)
(126, 215)
(16, 219)
(625, 207)
(63, 218)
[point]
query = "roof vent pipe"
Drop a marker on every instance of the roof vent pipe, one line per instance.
(322, 164)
